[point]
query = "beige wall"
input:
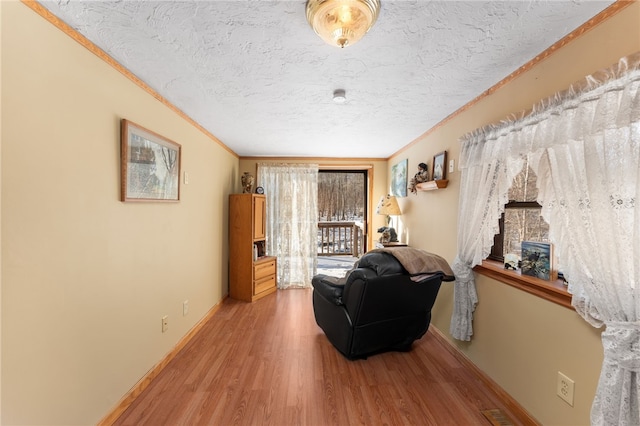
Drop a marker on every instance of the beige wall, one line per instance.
(377, 175)
(521, 341)
(85, 277)
(0, 227)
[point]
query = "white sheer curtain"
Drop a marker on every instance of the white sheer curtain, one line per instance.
(486, 178)
(584, 146)
(292, 220)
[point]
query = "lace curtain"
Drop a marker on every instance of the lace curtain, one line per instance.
(584, 146)
(291, 191)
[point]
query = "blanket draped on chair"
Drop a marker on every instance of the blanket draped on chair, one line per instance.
(420, 264)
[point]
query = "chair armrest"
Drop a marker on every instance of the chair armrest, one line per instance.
(328, 288)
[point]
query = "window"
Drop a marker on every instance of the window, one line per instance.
(521, 220)
(342, 212)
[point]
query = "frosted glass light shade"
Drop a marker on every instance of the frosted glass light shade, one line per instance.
(342, 22)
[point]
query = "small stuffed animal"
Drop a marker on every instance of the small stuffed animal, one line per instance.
(421, 176)
(389, 235)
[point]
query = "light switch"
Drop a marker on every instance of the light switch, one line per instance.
(186, 178)
(452, 165)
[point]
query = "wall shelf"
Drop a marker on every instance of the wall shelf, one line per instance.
(432, 185)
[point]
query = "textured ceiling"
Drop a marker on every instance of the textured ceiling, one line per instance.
(255, 75)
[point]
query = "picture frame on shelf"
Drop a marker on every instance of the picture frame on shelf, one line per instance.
(537, 260)
(399, 179)
(439, 169)
(150, 165)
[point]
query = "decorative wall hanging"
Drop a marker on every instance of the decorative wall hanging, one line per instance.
(150, 165)
(399, 179)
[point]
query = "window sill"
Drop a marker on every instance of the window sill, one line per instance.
(553, 291)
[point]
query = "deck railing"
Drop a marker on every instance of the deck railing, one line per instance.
(340, 238)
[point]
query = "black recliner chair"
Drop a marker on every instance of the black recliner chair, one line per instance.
(379, 308)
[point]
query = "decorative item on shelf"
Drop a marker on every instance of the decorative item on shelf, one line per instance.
(388, 206)
(260, 249)
(537, 260)
(439, 166)
(421, 176)
(259, 190)
(342, 23)
(247, 183)
(511, 261)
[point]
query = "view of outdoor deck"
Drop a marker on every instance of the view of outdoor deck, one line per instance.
(335, 266)
(340, 238)
(339, 246)
(341, 212)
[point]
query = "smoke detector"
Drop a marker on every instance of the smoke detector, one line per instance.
(339, 96)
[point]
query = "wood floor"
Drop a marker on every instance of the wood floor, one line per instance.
(268, 363)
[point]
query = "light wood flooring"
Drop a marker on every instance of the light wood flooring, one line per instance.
(268, 363)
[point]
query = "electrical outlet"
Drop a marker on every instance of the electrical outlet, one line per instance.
(165, 323)
(185, 308)
(565, 388)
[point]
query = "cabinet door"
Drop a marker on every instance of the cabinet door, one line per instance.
(259, 217)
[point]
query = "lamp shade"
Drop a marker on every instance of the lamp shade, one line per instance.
(342, 22)
(388, 205)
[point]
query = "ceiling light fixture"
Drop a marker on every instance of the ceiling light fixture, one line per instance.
(339, 96)
(342, 22)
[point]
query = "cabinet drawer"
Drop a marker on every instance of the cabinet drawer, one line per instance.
(265, 284)
(264, 269)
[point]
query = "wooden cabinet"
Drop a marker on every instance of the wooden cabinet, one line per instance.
(259, 217)
(252, 274)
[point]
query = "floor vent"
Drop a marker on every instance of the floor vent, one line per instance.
(497, 417)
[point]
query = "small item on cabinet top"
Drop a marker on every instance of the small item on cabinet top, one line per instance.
(259, 190)
(247, 183)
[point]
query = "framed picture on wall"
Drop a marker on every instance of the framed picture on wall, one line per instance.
(399, 179)
(439, 166)
(150, 165)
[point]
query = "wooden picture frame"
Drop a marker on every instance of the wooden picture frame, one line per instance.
(150, 165)
(439, 169)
